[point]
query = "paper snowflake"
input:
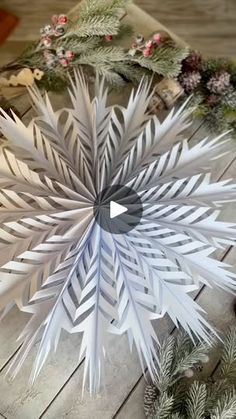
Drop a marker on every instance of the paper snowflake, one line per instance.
(60, 265)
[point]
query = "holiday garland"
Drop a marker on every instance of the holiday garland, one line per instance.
(91, 41)
(182, 391)
(213, 85)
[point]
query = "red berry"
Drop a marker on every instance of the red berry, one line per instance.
(149, 44)
(47, 42)
(62, 19)
(108, 38)
(157, 38)
(64, 62)
(70, 55)
(147, 52)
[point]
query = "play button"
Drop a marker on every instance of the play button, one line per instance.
(118, 209)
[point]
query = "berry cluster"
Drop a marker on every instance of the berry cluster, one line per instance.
(48, 33)
(146, 47)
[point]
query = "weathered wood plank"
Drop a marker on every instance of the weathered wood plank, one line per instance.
(10, 328)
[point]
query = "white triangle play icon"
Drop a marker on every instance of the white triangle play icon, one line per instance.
(116, 209)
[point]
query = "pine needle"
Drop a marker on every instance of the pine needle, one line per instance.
(166, 61)
(228, 357)
(163, 406)
(226, 406)
(95, 26)
(195, 403)
(166, 360)
(188, 360)
(106, 55)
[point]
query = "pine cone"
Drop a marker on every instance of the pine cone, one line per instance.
(193, 62)
(219, 82)
(189, 81)
(150, 396)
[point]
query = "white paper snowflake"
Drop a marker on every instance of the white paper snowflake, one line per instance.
(58, 264)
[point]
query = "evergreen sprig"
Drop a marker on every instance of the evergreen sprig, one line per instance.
(166, 61)
(95, 26)
(163, 406)
(175, 396)
(196, 399)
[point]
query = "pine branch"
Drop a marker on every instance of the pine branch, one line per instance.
(106, 55)
(105, 8)
(163, 406)
(183, 346)
(215, 391)
(179, 391)
(188, 360)
(78, 46)
(166, 355)
(226, 406)
(196, 399)
(130, 72)
(228, 357)
(95, 26)
(111, 76)
(166, 61)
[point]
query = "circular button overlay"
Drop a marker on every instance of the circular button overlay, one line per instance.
(118, 209)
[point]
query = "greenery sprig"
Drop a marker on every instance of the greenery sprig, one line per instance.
(182, 391)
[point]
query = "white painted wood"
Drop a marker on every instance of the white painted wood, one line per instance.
(19, 400)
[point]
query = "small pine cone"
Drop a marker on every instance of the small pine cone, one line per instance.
(219, 82)
(150, 396)
(193, 62)
(189, 81)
